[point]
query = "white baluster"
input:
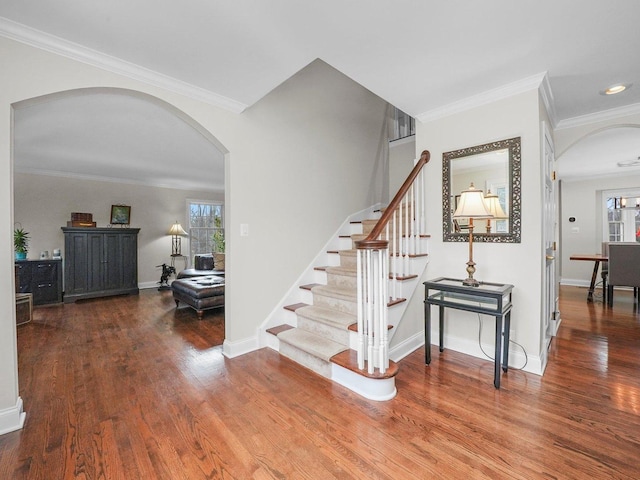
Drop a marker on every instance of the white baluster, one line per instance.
(359, 276)
(369, 314)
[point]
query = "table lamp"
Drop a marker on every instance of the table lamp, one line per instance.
(471, 205)
(492, 202)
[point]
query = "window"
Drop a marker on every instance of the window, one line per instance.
(206, 227)
(622, 216)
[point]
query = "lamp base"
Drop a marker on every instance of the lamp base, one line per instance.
(471, 282)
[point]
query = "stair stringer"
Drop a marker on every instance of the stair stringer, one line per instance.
(339, 241)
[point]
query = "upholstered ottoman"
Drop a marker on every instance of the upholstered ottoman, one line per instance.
(200, 293)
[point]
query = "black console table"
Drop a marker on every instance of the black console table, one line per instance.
(489, 298)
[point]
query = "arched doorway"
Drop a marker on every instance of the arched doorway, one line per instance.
(128, 146)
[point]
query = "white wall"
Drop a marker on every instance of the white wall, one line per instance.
(518, 264)
(44, 203)
(300, 160)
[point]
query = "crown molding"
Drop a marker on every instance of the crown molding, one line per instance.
(35, 38)
(490, 96)
(602, 116)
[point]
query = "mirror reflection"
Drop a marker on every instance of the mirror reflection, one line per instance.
(493, 168)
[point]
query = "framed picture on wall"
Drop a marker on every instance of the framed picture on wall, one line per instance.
(120, 214)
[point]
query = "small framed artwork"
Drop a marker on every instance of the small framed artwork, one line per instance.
(120, 214)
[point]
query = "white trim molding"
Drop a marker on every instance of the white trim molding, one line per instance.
(599, 116)
(490, 96)
(12, 419)
(51, 43)
(235, 349)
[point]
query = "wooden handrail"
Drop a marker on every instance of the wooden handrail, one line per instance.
(372, 242)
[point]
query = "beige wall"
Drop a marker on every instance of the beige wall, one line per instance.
(519, 264)
(583, 200)
(44, 203)
(402, 154)
(299, 162)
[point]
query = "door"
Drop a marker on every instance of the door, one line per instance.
(551, 315)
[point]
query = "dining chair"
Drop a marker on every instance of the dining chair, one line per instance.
(623, 268)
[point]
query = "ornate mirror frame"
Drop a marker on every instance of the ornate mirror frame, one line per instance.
(514, 200)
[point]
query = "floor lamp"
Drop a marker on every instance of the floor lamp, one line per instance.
(471, 205)
(177, 232)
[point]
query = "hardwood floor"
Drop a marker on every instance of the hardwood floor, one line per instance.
(128, 388)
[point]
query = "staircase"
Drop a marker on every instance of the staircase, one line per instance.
(320, 329)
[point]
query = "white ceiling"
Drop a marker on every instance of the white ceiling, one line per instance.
(422, 56)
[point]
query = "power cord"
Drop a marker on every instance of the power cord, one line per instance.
(526, 358)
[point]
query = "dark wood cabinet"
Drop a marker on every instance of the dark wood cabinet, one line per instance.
(41, 278)
(99, 262)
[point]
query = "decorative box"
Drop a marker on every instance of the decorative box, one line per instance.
(81, 217)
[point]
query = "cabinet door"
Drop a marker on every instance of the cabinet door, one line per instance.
(96, 261)
(76, 248)
(24, 277)
(129, 252)
(113, 261)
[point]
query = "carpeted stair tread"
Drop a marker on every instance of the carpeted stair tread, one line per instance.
(327, 316)
(315, 345)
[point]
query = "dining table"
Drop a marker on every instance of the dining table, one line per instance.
(597, 259)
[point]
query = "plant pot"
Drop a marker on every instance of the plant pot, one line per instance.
(21, 255)
(218, 261)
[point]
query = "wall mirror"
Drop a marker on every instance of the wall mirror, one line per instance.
(493, 168)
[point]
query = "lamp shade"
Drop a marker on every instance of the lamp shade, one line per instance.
(471, 205)
(492, 202)
(177, 230)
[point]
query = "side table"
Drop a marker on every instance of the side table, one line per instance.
(489, 299)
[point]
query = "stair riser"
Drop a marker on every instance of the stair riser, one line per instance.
(348, 260)
(342, 305)
(343, 281)
(303, 358)
(323, 330)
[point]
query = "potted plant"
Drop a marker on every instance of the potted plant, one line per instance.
(218, 246)
(20, 243)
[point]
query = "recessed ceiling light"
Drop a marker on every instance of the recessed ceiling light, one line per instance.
(613, 89)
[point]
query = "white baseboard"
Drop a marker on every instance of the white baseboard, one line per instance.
(406, 347)
(572, 282)
(235, 349)
(517, 357)
(12, 419)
